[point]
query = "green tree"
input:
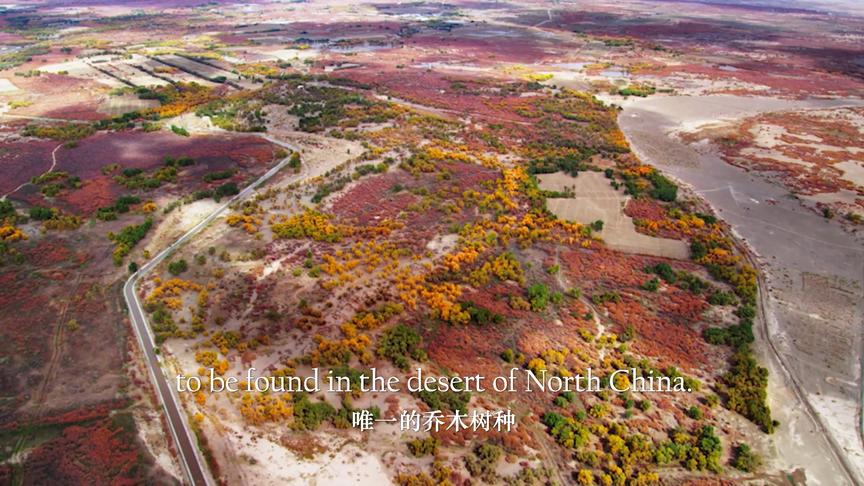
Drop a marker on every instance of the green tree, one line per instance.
(538, 295)
(227, 189)
(745, 459)
(178, 266)
(41, 214)
(694, 412)
(294, 161)
(400, 343)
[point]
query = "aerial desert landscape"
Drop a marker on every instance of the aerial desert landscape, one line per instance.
(550, 192)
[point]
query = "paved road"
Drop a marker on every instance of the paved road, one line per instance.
(193, 463)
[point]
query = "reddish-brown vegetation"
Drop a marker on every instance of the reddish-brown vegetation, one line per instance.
(90, 447)
(60, 96)
(671, 343)
(666, 322)
(131, 149)
(645, 209)
(22, 160)
(817, 140)
(374, 199)
(148, 150)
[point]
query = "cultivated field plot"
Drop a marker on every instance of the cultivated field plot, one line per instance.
(80, 68)
(118, 105)
(128, 72)
(188, 65)
(166, 71)
(205, 71)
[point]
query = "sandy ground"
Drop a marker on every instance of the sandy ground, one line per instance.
(6, 86)
(318, 153)
(852, 171)
(775, 142)
(249, 455)
(814, 276)
(595, 199)
(118, 105)
(181, 220)
(294, 55)
(191, 123)
(151, 433)
(442, 244)
(688, 112)
(345, 461)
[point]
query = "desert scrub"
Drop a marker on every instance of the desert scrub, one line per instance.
(399, 344)
(127, 238)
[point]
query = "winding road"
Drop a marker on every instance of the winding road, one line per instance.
(194, 465)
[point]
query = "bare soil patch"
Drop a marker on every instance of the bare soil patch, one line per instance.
(594, 199)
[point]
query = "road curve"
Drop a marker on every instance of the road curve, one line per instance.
(194, 466)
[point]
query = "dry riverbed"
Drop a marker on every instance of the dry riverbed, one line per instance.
(813, 271)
